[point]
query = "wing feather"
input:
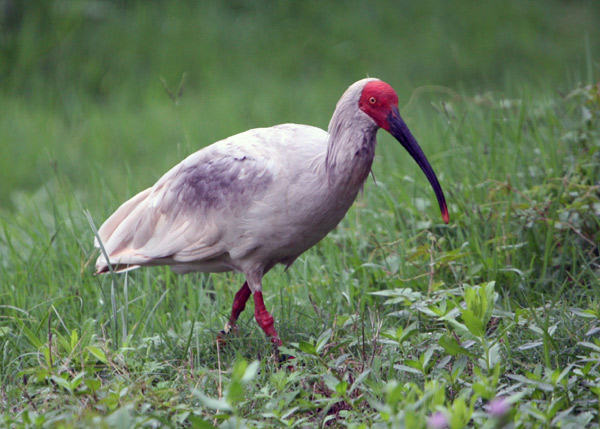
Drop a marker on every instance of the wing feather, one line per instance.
(193, 211)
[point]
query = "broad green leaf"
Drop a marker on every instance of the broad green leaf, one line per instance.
(341, 387)
(239, 369)
(453, 347)
(77, 380)
(61, 382)
(250, 372)
(74, 339)
(98, 353)
(234, 392)
(199, 423)
(307, 348)
(322, 340)
(213, 403)
(473, 323)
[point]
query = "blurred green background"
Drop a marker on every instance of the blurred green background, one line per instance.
(82, 83)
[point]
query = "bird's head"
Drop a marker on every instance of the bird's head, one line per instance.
(380, 102)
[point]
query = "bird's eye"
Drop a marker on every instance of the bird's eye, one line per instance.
(372, 100)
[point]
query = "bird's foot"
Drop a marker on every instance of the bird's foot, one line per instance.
(286, 361)
(223, 333)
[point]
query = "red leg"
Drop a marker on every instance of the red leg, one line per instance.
(264, 319)
(239, 302)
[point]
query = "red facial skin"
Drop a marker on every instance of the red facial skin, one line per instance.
(378, 100)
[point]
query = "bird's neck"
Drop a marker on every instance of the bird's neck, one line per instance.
(350, 152)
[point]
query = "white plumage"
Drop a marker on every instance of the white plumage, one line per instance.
(258, 198)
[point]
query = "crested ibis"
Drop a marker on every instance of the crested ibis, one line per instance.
(259, 198)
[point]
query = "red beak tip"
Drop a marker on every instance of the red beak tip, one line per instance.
(446, 217)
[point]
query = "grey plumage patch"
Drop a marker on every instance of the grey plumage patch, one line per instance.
(221, 182)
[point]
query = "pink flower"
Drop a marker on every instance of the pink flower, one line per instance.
(437, 421)
(498, 407)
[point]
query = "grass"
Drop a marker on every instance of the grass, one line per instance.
(395, 320)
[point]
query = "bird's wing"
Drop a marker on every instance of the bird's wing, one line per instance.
(193, 212)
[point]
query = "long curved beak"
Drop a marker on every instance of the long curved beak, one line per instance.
(398, 128)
